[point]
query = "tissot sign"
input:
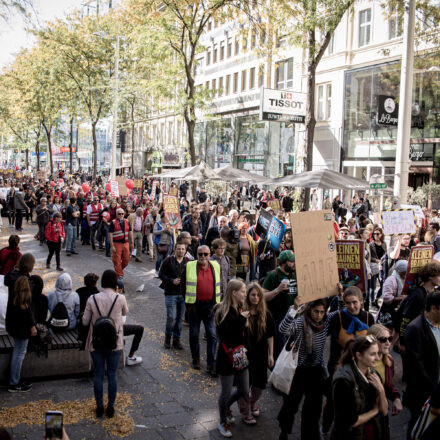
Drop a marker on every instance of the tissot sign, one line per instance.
(280, 104)
(387, 110)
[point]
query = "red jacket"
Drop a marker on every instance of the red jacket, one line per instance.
(8, 259)
(54, 231)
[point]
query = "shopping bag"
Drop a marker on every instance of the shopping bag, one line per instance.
(425, 419)
(285, 367)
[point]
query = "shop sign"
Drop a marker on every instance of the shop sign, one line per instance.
(415, 155)
(156, 159)
(388, 110)
(171, 159)
(126, 160)
(282, 105)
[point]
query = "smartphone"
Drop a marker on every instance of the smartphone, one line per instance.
(54, 424)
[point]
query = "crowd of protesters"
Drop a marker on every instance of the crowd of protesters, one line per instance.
(218, 270)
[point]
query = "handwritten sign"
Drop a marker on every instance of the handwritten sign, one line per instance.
(274, 204)
(398, 222)
(276, 233)
(172, 212)
(419, 257)
(417, 210)
(114, 190)
(138, 185)
(40, 175)
(173, 191)
(351, 263)
(315, 254)
(123, 190)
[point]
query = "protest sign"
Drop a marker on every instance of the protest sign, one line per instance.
(419, 256)
(417, 210)
(398, 222)
(173, 191)
(351, 263)
(172, 212)
(276, 233)
(123, 190)
(18, 175)
(274, 204)
(153, 190)
(40, 175)
(315, 254)
(114, 188)
(264, 220)
(138, 185)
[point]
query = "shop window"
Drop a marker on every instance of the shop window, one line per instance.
(284, 74)
(364, 27)
(261, 75)
(243, 80)
(252, 78)
(235, 86)
(228, 85)
(324, 102)
(222, 51)
(229, 49)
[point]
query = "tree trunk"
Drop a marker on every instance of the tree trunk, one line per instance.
(37, 149)
(71, 146)
(95, 150)
(132, 139)
(27, 158)
(49, 146)
(310, 119)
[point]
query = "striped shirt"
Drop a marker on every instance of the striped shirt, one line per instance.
(294, 328)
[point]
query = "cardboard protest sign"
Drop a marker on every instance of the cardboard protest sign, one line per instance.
(417, 210)
(173, 191)
(398, 222)
(419, 256)
(123, 190)
(264, 220)
(138, 186)
(315, 254)
(276, 233)
(40, 175)
(18, 175)
(153, 190)
(351, 263)
(114, 188)
(274, 204)
(172, 212)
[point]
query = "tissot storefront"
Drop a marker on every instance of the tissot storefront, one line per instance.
(371, 116)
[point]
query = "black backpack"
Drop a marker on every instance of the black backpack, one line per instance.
(59, 321)
(105, 335)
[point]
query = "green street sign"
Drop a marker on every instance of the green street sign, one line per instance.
(378, 186)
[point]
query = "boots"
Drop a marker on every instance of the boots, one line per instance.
(177, 344)
(167, 343)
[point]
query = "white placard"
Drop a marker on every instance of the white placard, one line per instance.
(114, 188)
(281, 104)
(153, 190)
(398, 222)
(417, 210)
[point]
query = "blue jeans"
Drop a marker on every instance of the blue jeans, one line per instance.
(175, 305)
(70, 237)
(99, 360)
(18, 354)
(198, 312)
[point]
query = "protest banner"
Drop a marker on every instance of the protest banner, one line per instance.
(138, 186)
(315, 255)
(417, 210)
(263, 223)
(419, 256)
(114, 188)
(153, 190)
(274, 204)
(18, 175)
(173, 191)
(123, 190)
(172, 212)
(351, 263)
(276, 233)
(398, 222)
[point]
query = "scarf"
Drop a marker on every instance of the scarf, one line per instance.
(399, 281)
(310, 327)
(356, 325)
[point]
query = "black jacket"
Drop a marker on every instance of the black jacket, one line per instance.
(84, 294)
(170, 270)
(421, 363)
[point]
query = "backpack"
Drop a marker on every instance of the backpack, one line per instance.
(105, 335)
(59, 320)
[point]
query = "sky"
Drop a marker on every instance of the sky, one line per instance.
(13, 36)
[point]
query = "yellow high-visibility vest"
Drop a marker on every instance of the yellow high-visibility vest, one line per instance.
(191, 281)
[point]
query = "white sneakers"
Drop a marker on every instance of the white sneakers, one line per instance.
(135, 360)
(223, 429)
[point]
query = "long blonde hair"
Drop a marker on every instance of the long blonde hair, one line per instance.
(376, 330)
(22, 293)
(257, 322)
(222, 309)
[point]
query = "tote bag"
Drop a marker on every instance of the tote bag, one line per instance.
(425, 419)
(285, 367)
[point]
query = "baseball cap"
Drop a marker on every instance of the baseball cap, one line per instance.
(286, 256)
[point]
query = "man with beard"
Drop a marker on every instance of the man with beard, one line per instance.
(280, 291)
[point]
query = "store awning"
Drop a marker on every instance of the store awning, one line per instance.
(231, 174)
(198, 172)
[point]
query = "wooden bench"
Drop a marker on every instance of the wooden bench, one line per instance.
(63, 358)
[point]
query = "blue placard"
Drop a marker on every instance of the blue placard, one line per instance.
(276, 233)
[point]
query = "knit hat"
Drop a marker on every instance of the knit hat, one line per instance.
(401, 266)
(286, 256)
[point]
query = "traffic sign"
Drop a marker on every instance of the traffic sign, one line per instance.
(378, 186)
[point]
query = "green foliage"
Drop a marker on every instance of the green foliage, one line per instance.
(423, 193)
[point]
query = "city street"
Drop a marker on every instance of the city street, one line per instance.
(163, 398)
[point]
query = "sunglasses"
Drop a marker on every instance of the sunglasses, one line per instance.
(120, 213)
(377, 233)
(203, 254)
(384, 339)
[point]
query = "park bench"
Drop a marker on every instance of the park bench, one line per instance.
(63, 358)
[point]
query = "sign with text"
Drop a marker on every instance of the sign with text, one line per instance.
(381, 185)
(138, 185)
(114, 190)
(419, 256)
(387, 110)
(172, 212)
(153, 190)
(40, 175)
(126, 160)
(263, 223)
(173, 191)
(315, 254)
(281, 104)
(351, 263)
(123, 190)
(417, 210)
(274, 204)
(276, 233)
(398, 222)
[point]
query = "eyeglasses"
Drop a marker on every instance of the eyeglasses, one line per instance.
(120, 213)
(203, 254)
(384, 339)
(376, 233)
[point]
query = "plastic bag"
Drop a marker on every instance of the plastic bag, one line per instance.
(284, 370)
